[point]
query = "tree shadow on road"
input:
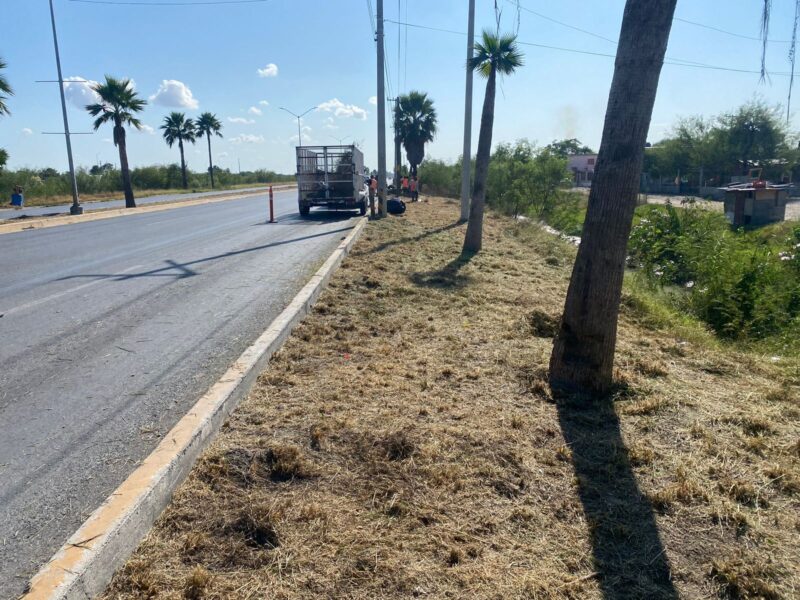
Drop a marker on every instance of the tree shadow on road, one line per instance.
(183, 270)
(629, 556)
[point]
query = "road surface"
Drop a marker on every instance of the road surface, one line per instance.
(110, 330)
(63, 209)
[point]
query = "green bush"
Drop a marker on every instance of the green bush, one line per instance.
(744, 285)
(522, 179)
(48, 182)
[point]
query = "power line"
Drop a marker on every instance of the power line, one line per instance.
(726, 32)
(552, 20)
(669, 61)
(607, 39)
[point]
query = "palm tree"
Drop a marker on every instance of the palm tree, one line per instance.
(177, 128)
(207, 124)
(493, 54)
(415, 120)
(118, 104)
(5, 90)
(583, 353)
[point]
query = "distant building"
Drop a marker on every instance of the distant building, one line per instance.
(582, 167)
(755, 203)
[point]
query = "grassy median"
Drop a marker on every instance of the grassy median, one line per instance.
(404, 444)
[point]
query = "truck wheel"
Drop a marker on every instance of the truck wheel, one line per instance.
(304, 210)
(362, 208)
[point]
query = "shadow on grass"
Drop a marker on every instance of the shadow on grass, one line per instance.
(629, 556)
(448, 277)
(406, 240)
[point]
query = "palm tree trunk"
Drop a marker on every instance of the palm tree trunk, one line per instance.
(583, 353)
(183, 166)
(210, 163)
(119, 138)
(473, 240)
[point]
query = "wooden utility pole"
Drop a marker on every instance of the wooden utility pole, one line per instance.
(381, 116)
(467, 153)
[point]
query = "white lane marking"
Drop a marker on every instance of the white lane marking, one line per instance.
(63, 293)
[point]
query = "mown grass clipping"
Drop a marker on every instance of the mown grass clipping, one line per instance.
(404, 444)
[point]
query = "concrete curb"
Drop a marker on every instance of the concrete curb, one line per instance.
(110, 213)
(83, 567)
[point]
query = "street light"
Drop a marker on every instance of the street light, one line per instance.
(76, 208)
(299, 132)
(339, 139)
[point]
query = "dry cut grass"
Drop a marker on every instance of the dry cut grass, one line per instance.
(404, 444)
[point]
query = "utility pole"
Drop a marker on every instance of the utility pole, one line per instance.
(466, 159)
(76, 208)
(381, 116)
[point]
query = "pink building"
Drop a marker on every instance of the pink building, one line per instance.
(582, 167)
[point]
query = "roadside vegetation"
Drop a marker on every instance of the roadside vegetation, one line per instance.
(404, 443)
(47, 187)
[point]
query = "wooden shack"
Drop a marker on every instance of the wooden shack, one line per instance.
(755, 203)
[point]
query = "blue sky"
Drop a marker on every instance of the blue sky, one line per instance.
(244, 61)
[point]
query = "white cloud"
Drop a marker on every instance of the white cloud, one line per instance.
(174, 94)
(246, 138)
(263, 103)
(330, 123)
(27, 131)
(340, 109)
(254, 110)
(108, 140)
(147, 129)
(271, 70)
(78, 90)
(222, 155)
(240, 120)
(373, 100)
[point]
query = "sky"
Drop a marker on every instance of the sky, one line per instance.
(245, 61)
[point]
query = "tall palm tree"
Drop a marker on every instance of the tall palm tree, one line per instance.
(207, 124)
(583, 353)
(177, 128)
(415, 119)
(5, 90)
(493, 54)
(118, 105)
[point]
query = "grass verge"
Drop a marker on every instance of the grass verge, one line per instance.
(403, 444)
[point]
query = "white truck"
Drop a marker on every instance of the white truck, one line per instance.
(331, 177)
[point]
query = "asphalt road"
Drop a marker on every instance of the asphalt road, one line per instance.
(110, 331)
(38, 211)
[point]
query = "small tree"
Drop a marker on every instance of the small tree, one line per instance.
(118, 104)
(177, 128)
(493, 54)
(416, 120)
(208, 124)
(5, 89)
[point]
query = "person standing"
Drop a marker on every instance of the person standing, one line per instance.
(373, 189)
(413, 186)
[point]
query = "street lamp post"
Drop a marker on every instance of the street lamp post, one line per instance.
(339, 139)
(298, 117)
(76, 208)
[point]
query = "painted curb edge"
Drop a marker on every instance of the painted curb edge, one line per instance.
(85, 564)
